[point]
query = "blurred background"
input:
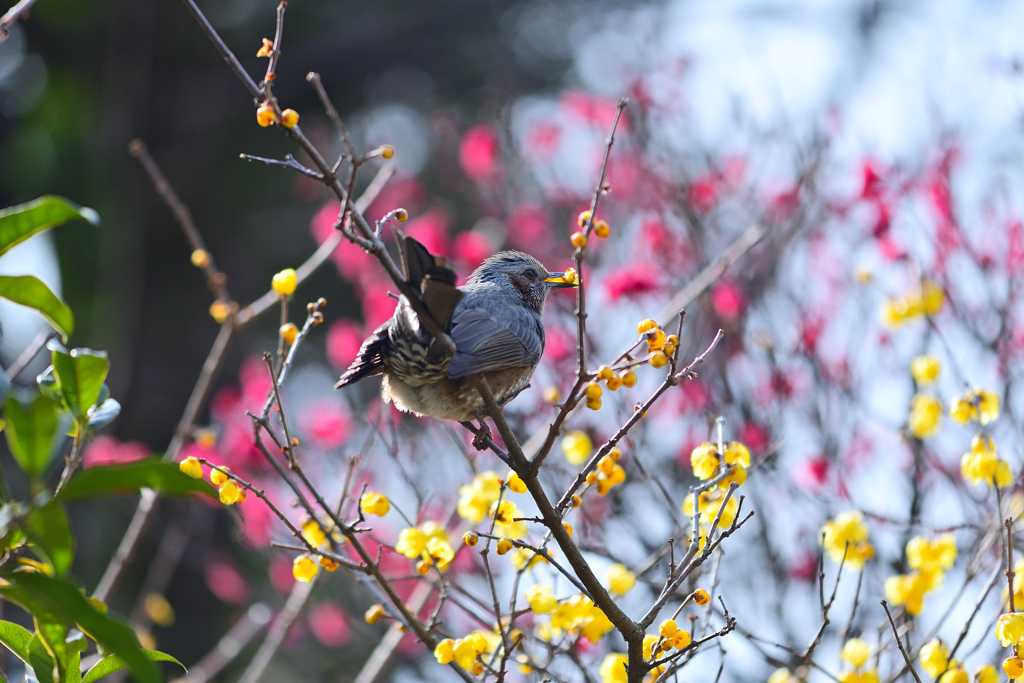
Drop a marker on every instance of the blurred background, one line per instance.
(791, 113)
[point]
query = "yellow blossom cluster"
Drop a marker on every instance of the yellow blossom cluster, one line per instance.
(609, 473)
(505, 516)
(935, 661)
(708, 505)
(619, 579)
(855, 653)
(979, 405)
(661, 348)
(228, 489)
(925, 369)
(708, 463)
(1010, 632)
(783, 675)
(847, 536)
(373, 503)
(612, 379)
(578, 614)
(930, 559)
(429, 541)
(475, 499)
(466, 652)
(981, 464)
(928, 300)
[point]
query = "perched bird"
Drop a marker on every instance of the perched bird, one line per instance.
(494, 320)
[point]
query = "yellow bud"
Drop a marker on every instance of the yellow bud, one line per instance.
(230, 493)
(591, 478)
(503, 546)
(605, 466)
(285, 282)
(200, 258)
(289, 117)
(593, 390)
(1013, 667)
(471, 538)
(515, 484)
(668, 628)
(681, 639)
(374, 614)
(604, 372)
(386, 151)
(266, 49)
(615, 454)
(614, 383)
(655, 339)
(191, 467)
(220, 310)
(629, 379)
(601, 229)
(658, 359)
(289, 332)
(218, 477)
(576, 501)
(422, 567)
(646, 326)
(401, 215)
(329, 564)
(701, 597)
(582, 219)
(552, 395)
(478, 668)
(567, 527)
(265, 115)
(594, 403)
(579, 240)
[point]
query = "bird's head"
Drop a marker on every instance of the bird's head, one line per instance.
(521, 275)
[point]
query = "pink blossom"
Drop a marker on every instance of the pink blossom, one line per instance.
(542, 139)
(280, 572)
(632, 281)
(224, 580)
(527, 227)
(258, 522)
(728, 300)
(560, 344)
(326, 423)
(431, 229)
(329, 624)
(804, 567)
(594, 109)
(254, 377)
(343, 341)
(624, 172)
(108, 450)
(811, 474)
(1015, 250)
(224, 404)
(401, 191)
(754, 436)
(471, 248)
(377, 303)
(702, 194)
(478, 153)
(871, 188)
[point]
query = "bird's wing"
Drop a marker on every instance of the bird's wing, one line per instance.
(369, 361)
(482, 344)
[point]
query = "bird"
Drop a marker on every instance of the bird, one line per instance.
(494, 321)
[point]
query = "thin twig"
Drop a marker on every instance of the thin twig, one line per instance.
(899, 642)
(19, 11)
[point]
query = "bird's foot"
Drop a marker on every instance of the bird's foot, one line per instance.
(482, 437)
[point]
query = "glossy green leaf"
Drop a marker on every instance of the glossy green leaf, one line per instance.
(32, 292)
(80, 374)
(74, 670)
(47, 527)
(48, 385)
(152, 473)
(65, 600)
(18, 223)
(16, 639)
(109, 665)
(52, 633)
(30, 433)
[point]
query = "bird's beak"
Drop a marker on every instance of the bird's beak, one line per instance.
(559, 280)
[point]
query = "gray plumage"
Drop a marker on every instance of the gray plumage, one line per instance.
(494, 320)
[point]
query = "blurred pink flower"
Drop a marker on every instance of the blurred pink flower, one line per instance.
(702, 194)
(326, 423)
(378, 305)
(431, 229)
(350, 259)
(593, 109)
(478, 153)
(632, 281)
(258, 522)
(754, 437)
(803, 567)
(224, 580)
(254, 378)
(329, 624)
(728, 300)
(542, 139)
(470, 249)
(527, 227)
(343, 341)
(108, 450)
(404, 192)
(280, 571)
(810, 475)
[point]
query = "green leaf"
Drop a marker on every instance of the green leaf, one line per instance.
(66, 601)
(152, 473)
(103, 413)
(52, 633)
(18, 223)
(30, 432)
(16, 639)
(41, 661)
(32, 292)
(109, 665)
(80, 374)
(74, 670)
(47, 527)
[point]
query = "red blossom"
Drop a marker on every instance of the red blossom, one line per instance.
(527, 227)
(350, 259)
(343, 341)
(259, 521)
(470, 249)
(632, 281)
(225, 582)
(810, 475)
(542, 139)
(702, 194)
(326, 423)
(754, 436)
(280, 572)
(728, 300)
(599, 111)
(431, 230)
(871, 188)
(478, 153)
(329, 624)
(1015, 249)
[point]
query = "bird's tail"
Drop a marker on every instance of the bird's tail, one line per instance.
(433, 277)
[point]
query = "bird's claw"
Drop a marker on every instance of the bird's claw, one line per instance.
(482, 437)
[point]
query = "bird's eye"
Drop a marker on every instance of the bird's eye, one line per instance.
(531, 273)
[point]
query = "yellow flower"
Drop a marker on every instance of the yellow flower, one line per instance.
(619, 579)
(374, 614)
(191, 467)
(848, 528)
(929, 555)
(230, 493)
(955, 675)
(515, 484)
(925, 415)
(373, 503)
(289, 117)
(782, 676)
(288, 333)
(613, 668)
(681, 639)
(440, 551)
(736, 452)
(577, 447)
(709, 504)
(541, 600)
(475, 499)
(411, 542)
(738, 475)
(705, 461)
(981, 464)
(981, 405)
(934, 657)
(304, 568)
(650, 640)
(285, 282)
(932, 298)
(312, 532)
(1010, 628)
(523, 557)
(858, 677)
(668, 628)
(856, 652)
(464, 653)
(986, 673)
(909, 589)
(925, 369)
(445, 651)
(219, 476)
(988, 406)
